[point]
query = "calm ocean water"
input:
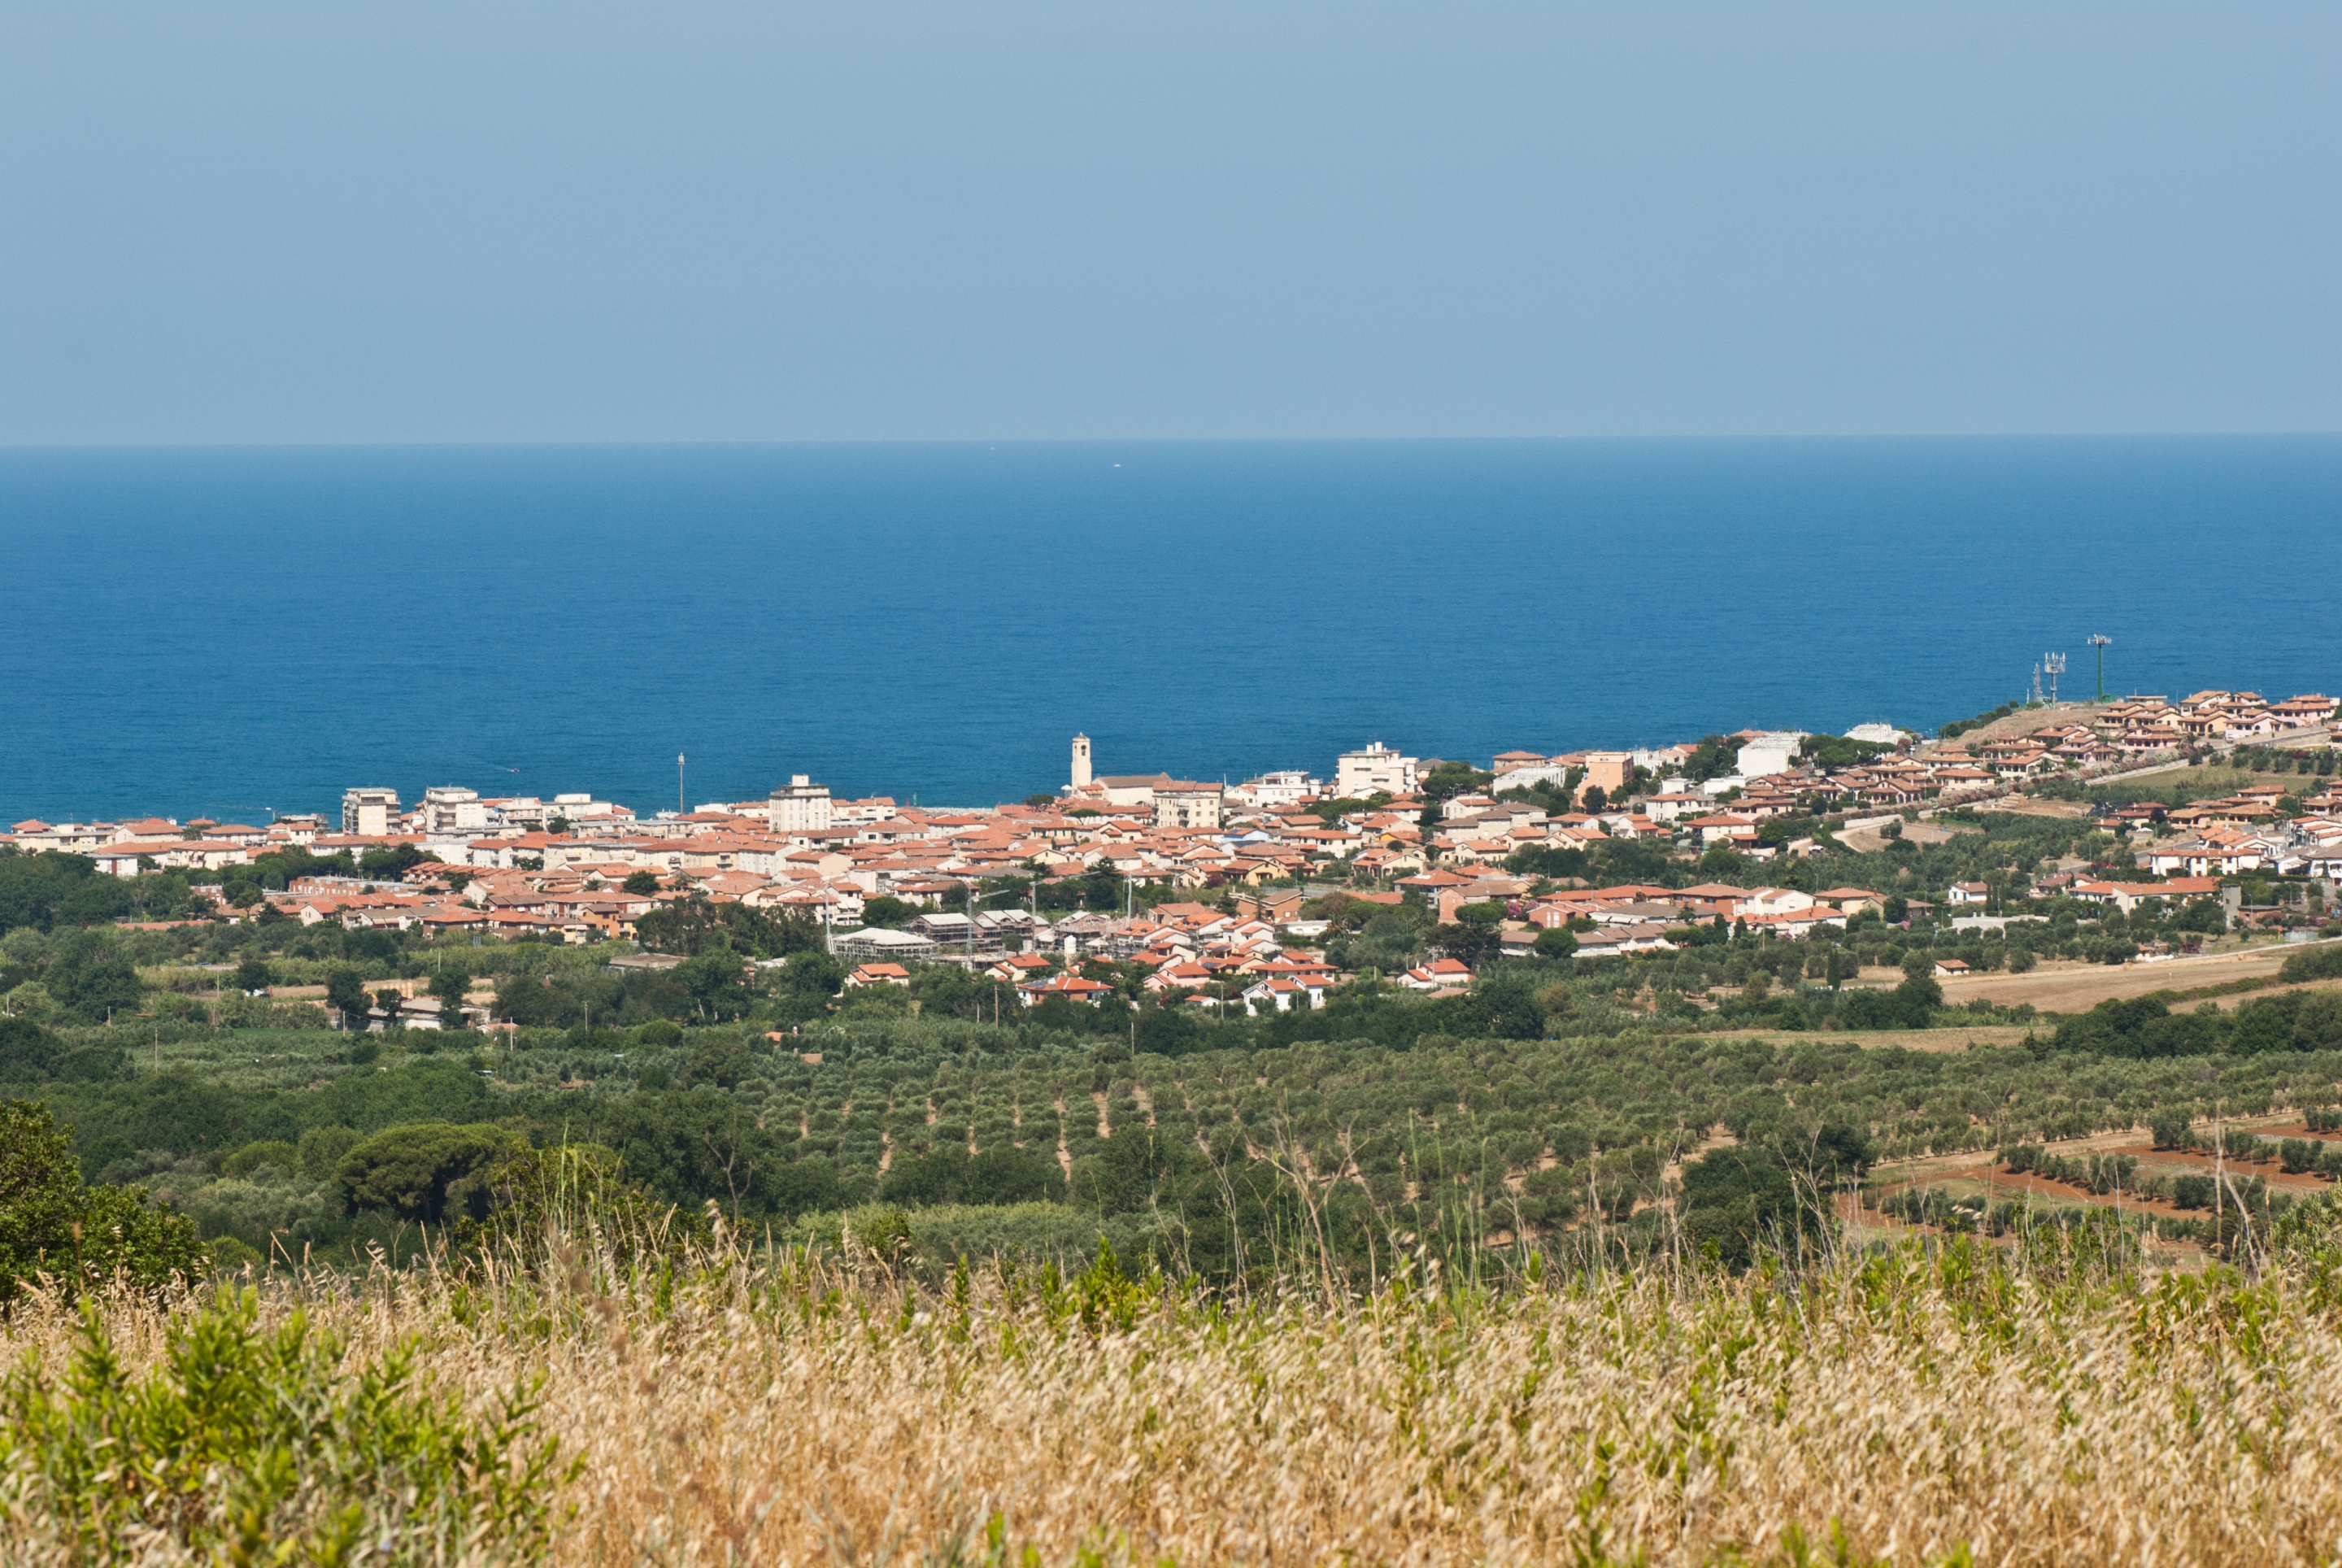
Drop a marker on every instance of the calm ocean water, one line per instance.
(228, 632)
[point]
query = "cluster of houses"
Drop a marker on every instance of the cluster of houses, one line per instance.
(1207, 955)
(581, 869)
(2141, 728)
(2243, 833)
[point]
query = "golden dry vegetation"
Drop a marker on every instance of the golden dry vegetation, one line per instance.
(2070, 986)
(1926, 1407)
(1928, 1040)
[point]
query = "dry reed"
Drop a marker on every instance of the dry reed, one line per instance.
(786, 1411)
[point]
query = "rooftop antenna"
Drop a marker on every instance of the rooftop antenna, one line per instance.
(2101, 644)
(2055, 664)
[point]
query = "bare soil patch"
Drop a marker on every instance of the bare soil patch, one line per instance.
(1983, 1170)
(2195, 1161)
(2027, 806)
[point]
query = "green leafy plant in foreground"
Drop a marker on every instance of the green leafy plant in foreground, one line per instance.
(249, 1447)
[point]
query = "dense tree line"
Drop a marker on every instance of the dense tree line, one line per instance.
(46, 892)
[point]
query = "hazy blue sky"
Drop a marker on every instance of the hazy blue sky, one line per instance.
(415, 222)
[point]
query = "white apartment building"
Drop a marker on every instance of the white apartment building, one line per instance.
(801, 806)
(1287, 787)
(1769, 754)
(577, 806)
(1359, 774)
(451, 811)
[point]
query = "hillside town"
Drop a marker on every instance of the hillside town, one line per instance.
(1208, 882)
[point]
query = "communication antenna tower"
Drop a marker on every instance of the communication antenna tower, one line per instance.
(2054, 665)
(2036, 698)
(2101, 644)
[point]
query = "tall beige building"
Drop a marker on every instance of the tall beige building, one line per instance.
(368, 813)
(1186, 803)
(1607, 771)
(1377, 769)
(1081, 760)
(450, 810)
(801, 806)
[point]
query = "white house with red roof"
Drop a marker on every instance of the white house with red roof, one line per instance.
(1440, 976)
(1071, 987)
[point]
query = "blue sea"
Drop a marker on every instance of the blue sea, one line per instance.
(233, 632)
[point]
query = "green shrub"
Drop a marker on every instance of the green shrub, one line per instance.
(252, 1156)
(79, 1236)
(580, 1191)
(245, 1446)
(949, 1174)
(1737, 1202)
(2318, 963)
(421, 1171)
(322, 1149)
(26, 1049)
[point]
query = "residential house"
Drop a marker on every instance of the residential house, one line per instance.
(1071, 987)
(1440, 975)
(1280, 992)
(2128, 896)
(1613, 941)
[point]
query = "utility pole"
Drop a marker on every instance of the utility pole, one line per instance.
(2101, 644)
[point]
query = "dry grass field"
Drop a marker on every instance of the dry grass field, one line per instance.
(1932, 1040)
(1918, 1408)
(2073, 987)
(1870, 841)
